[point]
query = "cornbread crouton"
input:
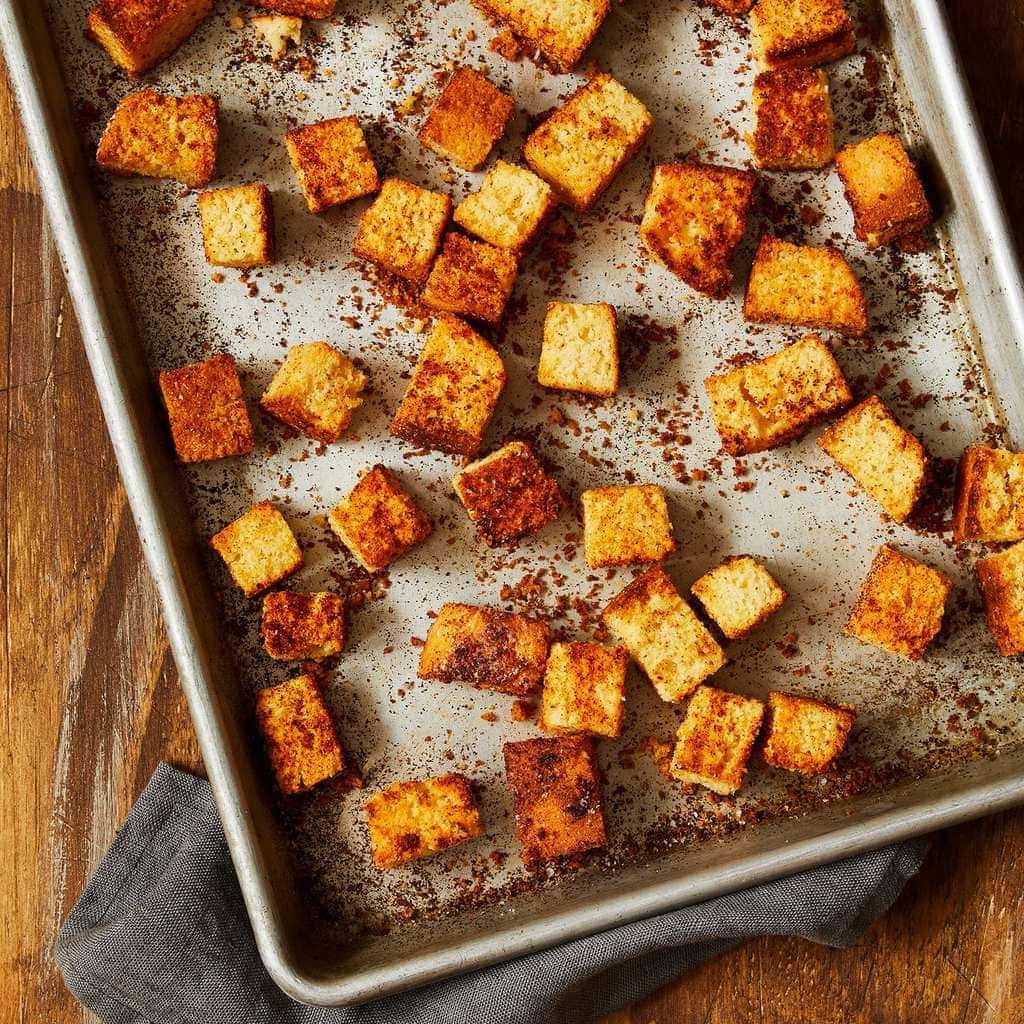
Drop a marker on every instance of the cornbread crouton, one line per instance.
(775, 400)
(733, 7)
(453, 391)
(378, 522)
(301, 627)
(804, 735)
(800, 33)
(410, 820)
(714, 742)
(258, 548)
(900, 606)
(806, 286)
(315, 9)
(625, 525)
(238, 226)
(989, 495)
(556, 793)
(468, 119)
(664, 635)
(509, 209)
(887, 461)
(333, 165)
(508, 494)
(1001, 578)
(694, 217)
(162, 137)
(301, 742)
(485, 648)
(471, 279)
(278, 31)
(584, 689)
(739, 595)
(794, 128)
(883, 190)
(580, 148)
(580, 351)
(137, 34)
(402, 229)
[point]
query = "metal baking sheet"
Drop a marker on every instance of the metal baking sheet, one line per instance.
(935, 742)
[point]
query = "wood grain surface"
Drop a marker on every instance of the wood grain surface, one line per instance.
(91, 700)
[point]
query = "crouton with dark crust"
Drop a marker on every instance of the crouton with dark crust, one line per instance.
(303, 627)
(238, 226)
(1001, 578)
(739, 595)
(138, 34)
(332, 162)
(580, 351)
(989, 495)
(471, 279)
(509, 209)
(626, 525)
(794, 128)
(258, 548)
(800, 33)
(804, 735)
(584, 689)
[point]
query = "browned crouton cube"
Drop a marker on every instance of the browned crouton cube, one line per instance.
(581, 348)
(162, 137)
(315, 9)
(694, 217)
(508, 494)
(804, 285)
(140, 33)
(901, 605)
(259, 549)
(989, 495)
(584, 689)
(301, 627)
(1001, 578)
(624, 525)
(664, 635)
(206, 410)
(332, 163)
(238, 226)
(886, 460)
(471, 279)
(794, 128)
(378, 522)
(509, 209)
(800, 33)
(580, 148)
(485, 648)
(804, 735)
(739, 595)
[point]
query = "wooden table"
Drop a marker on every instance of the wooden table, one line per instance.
(91, 700)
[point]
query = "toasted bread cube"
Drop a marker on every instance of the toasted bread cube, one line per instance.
(333, 165)
(258, 548)
(581, 348)
(900, 606)
(206, 410)
(508, 494)
(316, 391)
(584, 689)
(800, 33)
(1001, 578)
(453, 391)
(989, 495)
(162, 137)
(694, 217)
(378, 522)
(556, 793)
(794, 128)
(664, 635)
(739, 595)
(509, 209)
(883, 190)
(886, 460)
(471, 279)
(775, 400)
(315, 9)
(278, 31)
(714, 743)
(804, 735)
(485, 648)
(301, 742)
(625, 525)
(806, 286)
(238, 226)
(303, 627)
(580, 148)
(138, 34)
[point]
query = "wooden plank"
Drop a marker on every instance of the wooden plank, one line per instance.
(16, 169)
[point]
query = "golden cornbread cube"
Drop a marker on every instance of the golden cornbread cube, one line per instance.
(315, 9)
(739, 595)
(580, 148)
(794, 128)
(485, 648)
(989, 495)
(417, 819)
(624, 525)
(804, 735)
(278, 31)
(584, 689)
(509, 209)
(664, 635)
(316, 391)
(775, 400)
(303, 627)
(206, 410)
(806, 286)
(258, 548)
(694, 217)
(471, 279)
(402, 229)
(378, 521)
(714, 743)
(886, 460)
(580, 351)
(453, 390)
(301, 743)
(883, 190)
(556, 794)
(901, 604)
(238, 226)
(333, 165)
(800, 33)
(508, 494)
(162, 137)
(1001, 578)
(137, 34)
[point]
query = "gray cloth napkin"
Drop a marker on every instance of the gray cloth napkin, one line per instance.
(160, 935)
